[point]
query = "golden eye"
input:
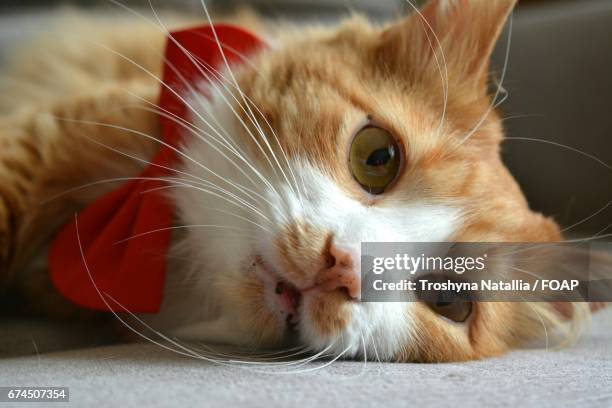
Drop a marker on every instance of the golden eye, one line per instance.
(457, 311)
(449, 304)
(375, 159)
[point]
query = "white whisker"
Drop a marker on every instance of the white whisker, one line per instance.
(166, 31)
(573, 149)
(105, 181)
(587, 218)
(443, 74)
(252, 116)
(179, 227)
(213, 83)
(230, 182)
(494, 102)
(162, 112)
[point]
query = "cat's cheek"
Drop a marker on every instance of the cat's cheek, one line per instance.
(246, 302)
(325, 315)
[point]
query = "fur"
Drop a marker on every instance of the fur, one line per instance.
(270, 156)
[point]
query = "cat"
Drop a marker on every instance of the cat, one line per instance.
(417, 86)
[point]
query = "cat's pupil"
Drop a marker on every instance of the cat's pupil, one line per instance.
(374, 159)
(380, 157)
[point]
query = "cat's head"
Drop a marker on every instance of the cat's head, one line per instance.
(350, 134)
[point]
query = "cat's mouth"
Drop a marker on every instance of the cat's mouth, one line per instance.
(284, 297)
(290, 299)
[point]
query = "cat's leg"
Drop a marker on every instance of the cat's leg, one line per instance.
(48, 156)
(58, 95)
(19, 155)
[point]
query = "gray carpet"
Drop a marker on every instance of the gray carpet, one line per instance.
(145, 375)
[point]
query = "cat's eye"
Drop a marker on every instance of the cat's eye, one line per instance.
(457, 311)
(448, 304)
(375, 159)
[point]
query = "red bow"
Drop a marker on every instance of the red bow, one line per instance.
(131, 272)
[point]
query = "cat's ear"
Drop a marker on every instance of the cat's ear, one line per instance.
(449, 38)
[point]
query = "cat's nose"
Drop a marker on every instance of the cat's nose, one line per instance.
(340, 273)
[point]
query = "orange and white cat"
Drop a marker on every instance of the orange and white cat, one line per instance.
(293, 202)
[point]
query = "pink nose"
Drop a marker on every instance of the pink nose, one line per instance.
(340, 273)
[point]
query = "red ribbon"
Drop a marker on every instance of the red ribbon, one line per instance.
(130, 273)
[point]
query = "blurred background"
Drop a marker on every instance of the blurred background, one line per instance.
(558, 114)
(381, 7)
(298, 7)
